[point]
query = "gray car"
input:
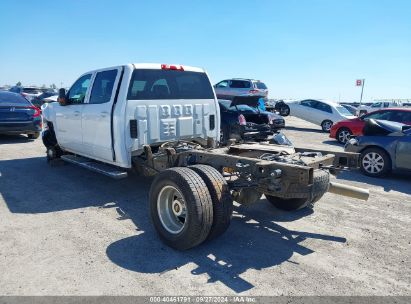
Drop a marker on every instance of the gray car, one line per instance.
(385, 146)
(229, 88)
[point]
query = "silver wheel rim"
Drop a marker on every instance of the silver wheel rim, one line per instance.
(171, 209)
(344, 136)
(373, 163)
(327, 125)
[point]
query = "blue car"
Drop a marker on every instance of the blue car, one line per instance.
(18, 115)
(242, 120)
(385, 146)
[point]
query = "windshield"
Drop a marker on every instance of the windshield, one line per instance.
(13, 100)
(242, 108)
(343, 111)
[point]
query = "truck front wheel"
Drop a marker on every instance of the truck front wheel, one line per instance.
(181, 208)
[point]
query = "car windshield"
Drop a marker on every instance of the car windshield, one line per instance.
(31, 90)
(343, 111)
(241, 108)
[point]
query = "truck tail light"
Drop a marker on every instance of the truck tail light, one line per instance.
(241, 120)
(172, 67)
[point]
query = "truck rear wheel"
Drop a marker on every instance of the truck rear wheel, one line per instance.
(321, 181)
(220, 196)
(181, 208)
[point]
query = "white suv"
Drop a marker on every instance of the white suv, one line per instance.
(229, 88)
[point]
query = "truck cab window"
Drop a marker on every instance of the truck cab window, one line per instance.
(78, 90)
(103, 87)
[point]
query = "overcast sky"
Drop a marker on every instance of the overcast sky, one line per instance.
(300, 49)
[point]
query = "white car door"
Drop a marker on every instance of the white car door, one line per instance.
(68, 117)
(304, 110)
(96, 116)
(222, 89)
(322, 112)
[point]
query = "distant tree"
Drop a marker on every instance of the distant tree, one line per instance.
(43, 86)
(18, 84)
(53, 86)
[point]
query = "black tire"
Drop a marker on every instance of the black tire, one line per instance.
(33, 135)
(326, 125)
(220, 196)
(53, 151)
(284, 110)
(342, 134)
(382, 164)
(198, 204)
(321, 183)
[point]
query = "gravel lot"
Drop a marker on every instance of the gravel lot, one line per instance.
(67, 231)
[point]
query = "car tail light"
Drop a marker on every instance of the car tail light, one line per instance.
(172, 67)
(36, 111)
(253, 91)
(241, 120)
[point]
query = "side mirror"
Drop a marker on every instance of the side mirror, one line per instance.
(62, 99)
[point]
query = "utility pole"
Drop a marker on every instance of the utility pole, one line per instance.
(360, 82)
(362, 90)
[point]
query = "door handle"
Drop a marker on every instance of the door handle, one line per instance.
(103, 114)
(76, 113)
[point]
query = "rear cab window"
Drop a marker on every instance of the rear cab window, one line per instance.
(151, 84)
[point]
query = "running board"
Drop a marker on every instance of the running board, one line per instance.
(92, 165)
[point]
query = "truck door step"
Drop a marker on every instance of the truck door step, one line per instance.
(92, 165)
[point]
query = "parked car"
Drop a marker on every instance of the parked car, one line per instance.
(343, 130)
(242, 120)
(353, 110)
(38, 101)
(364, 109)
(229, 88)
(385, 146)
(320, 112)
(28, 92)
(18, 115)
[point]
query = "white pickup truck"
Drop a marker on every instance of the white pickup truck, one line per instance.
(164, 120)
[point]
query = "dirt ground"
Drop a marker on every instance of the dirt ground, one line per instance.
(67, 231)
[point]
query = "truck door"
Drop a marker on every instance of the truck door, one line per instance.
(68, 118)
(96, 115)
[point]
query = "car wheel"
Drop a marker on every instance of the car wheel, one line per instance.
(326, 125)
(33, 135)
(284, 110)
(181, 208)
(343, 135)
(375, 162)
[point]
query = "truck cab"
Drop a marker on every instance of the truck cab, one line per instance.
(110, 114)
